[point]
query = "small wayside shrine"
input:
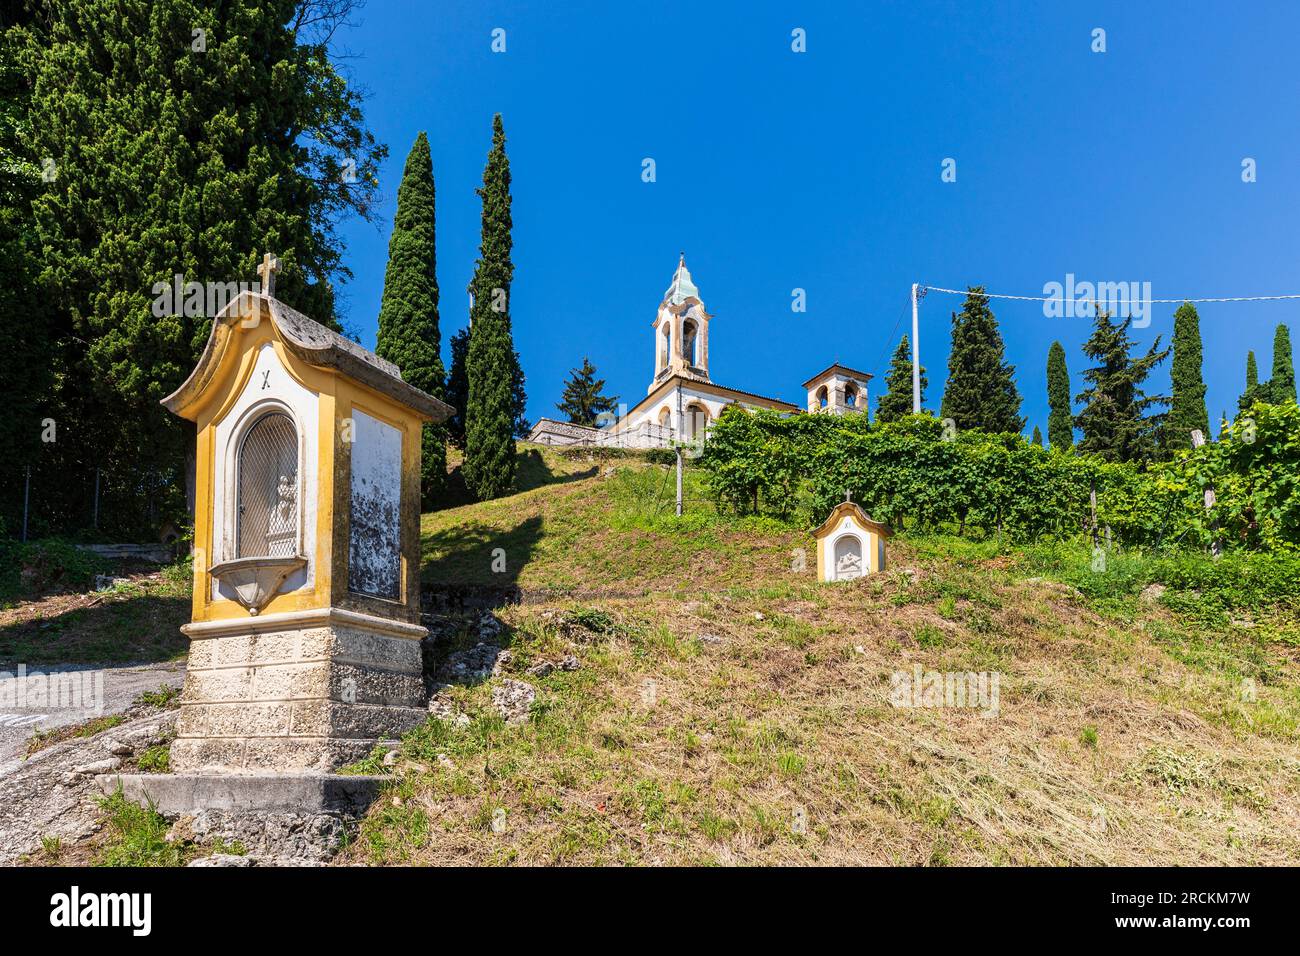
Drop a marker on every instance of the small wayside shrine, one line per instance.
(850, 544)
(305, 634)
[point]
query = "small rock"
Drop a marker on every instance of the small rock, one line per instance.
(222, 859)
(758, 615)
(477, 663)
(540, 669)
(462, 720)
(1153, 592)
(445, 762)
(711, 639)
(390, 759)
(859, 649)
(489, 625)
(119, 749)
(569, 663)
(99, 766)
(513, 699)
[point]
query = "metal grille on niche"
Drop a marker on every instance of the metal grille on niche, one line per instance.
(268, 489)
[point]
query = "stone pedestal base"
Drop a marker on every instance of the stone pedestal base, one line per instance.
(277, 698)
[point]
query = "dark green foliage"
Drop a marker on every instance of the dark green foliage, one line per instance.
(518, 399)
(1114, 419)
(1187, 407)
(1281, 386)
(1254, 391)
(981, 390)
(26, 372)
(582, 400)
(904, 472)
(458, 387)
(897, 400)
(491, 363)
(1060, 418)
(408, 314)
(1038, 438)
(173, 160)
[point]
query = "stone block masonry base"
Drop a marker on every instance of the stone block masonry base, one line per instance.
(308, 698)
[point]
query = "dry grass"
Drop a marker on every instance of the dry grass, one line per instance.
(698, 732)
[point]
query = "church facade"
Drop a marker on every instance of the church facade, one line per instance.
(682, 400)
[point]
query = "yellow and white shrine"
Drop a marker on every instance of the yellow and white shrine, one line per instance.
(305, 631)
(850, 544)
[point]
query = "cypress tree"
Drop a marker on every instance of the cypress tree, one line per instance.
(582, 400)
(1281, 386)
(408, 313)
(1060, 419)
(1187, 409)
(188, 138)
(981, 390)
(458, 387)
(897, 400)
(1038, 437)
(26, 366)
(490, 363)
(1253, 393)
(1114, 418)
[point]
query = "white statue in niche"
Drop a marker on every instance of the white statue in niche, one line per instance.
(848, 566)
(282, 529)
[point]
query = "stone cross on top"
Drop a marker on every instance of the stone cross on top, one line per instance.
(267, 270)
(848, 496)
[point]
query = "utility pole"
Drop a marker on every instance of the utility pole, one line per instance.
(916, 351)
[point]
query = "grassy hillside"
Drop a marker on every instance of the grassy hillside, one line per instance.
(729, 709)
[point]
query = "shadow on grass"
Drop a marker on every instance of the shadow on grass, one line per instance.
(133, 629)
(478, 556)
(531, 471)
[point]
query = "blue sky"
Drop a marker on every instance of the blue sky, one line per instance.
(822, 171)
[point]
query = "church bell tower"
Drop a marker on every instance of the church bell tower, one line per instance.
(681, 331)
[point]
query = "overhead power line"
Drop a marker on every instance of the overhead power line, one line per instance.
(1061, 298)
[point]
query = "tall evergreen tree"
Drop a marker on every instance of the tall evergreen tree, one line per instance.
(1114, 418)
(187, 138)
(458, 387)
(1187, 409)
(981, 390)
(1038, 437)
(518, 399)
(1281, 385)
(26, 365)
(1060, 418)
(582, 399)
(1254, 391)
(408, 313)
(491, 367)
(897, 400)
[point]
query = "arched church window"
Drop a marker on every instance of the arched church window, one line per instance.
(688, 342)
(697, 422)
(267, 489)
(667, 349)
(851, 395)
(823, 397)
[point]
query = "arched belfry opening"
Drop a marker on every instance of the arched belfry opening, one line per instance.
(681, 331)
